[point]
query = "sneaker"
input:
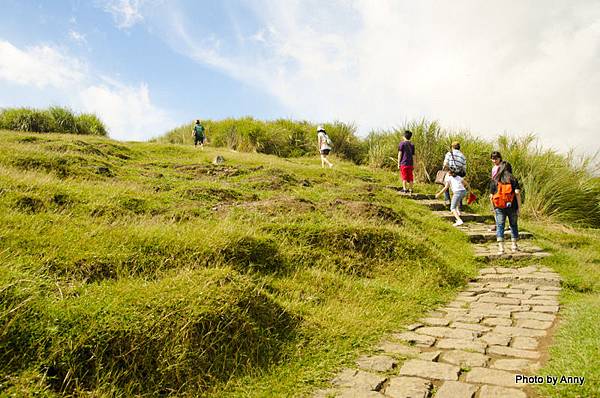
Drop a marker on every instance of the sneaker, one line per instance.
(402, 190)
(514, 247)
(410, 191)
(500, 248)
(458, 223)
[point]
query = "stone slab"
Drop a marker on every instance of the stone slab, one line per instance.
(550, 309)
(436, 321)
(500, 300)
(512, 352)
(352, 393)
(359, 380)
(456, 389)
(533, 324)
(416, 338)
(539, 316)
(470, 326)
(413, 326)
(429, 355)
(515, 365)
(458, 344)
(495, 339)
(445, 332)
(491, 376)
(377, 363)
(497, 322)
(524, 343)
(469, 318)
(515, 331)
(430, 370)
(408, 387)
(501, 392)
(464, 358)
(391, 347)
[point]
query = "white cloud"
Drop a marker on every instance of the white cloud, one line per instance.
(126, 13)
(126, 109)
(491, 67)
(39, 66)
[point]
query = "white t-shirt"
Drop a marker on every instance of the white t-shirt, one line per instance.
(323, 140)
(456, 183)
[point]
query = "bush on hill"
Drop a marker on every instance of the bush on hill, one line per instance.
(53, 120)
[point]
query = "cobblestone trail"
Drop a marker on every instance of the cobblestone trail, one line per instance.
(474, 346)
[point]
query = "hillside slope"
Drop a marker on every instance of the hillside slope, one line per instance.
(142, 268)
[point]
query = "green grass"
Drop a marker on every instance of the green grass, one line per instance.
(142, 268)
(574, 350)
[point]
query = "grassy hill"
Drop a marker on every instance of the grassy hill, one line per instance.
(144, 269)
(124, 263)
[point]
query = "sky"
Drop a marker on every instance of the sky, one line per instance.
(145, 66)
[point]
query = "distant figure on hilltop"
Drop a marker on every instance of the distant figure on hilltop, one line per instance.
(406, 153)
(455, 160)
(199, 134)
(324, 143)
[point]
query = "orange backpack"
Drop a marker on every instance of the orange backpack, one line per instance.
(504, 196)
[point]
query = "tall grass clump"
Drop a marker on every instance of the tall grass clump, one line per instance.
(431, 144)
(26, 119)
(281, 137)
(52, 120)
(90, 124)
(64, 120)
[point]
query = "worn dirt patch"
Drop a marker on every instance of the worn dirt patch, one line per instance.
(272, 207)
(367, 210)
(211, 170)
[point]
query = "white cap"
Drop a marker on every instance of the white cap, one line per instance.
(320, 128)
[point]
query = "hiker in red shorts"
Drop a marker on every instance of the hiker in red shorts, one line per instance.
(406, 153)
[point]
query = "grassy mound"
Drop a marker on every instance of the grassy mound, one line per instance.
(144, 269)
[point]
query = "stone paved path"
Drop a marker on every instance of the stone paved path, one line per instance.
(474, 346)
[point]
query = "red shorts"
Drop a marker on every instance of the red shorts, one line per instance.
(407, 173)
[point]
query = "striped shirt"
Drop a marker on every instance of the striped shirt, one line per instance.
(456, 160)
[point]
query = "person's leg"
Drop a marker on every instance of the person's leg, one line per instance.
(403, 174)
(447, 197)
(513, 219)
(454, 207)
(323, 160)
(411, 179)
(500, 222)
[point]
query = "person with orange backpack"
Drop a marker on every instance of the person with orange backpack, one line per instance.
(505, 197)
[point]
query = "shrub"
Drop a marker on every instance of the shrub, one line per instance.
(55, 119)
(90, 124)
(25, 119)
(64, 120)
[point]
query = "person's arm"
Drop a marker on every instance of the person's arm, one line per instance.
(446, 187)
(518, 195)
(399, 156)
(466, 184)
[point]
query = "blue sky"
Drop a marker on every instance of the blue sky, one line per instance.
(148, 65)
